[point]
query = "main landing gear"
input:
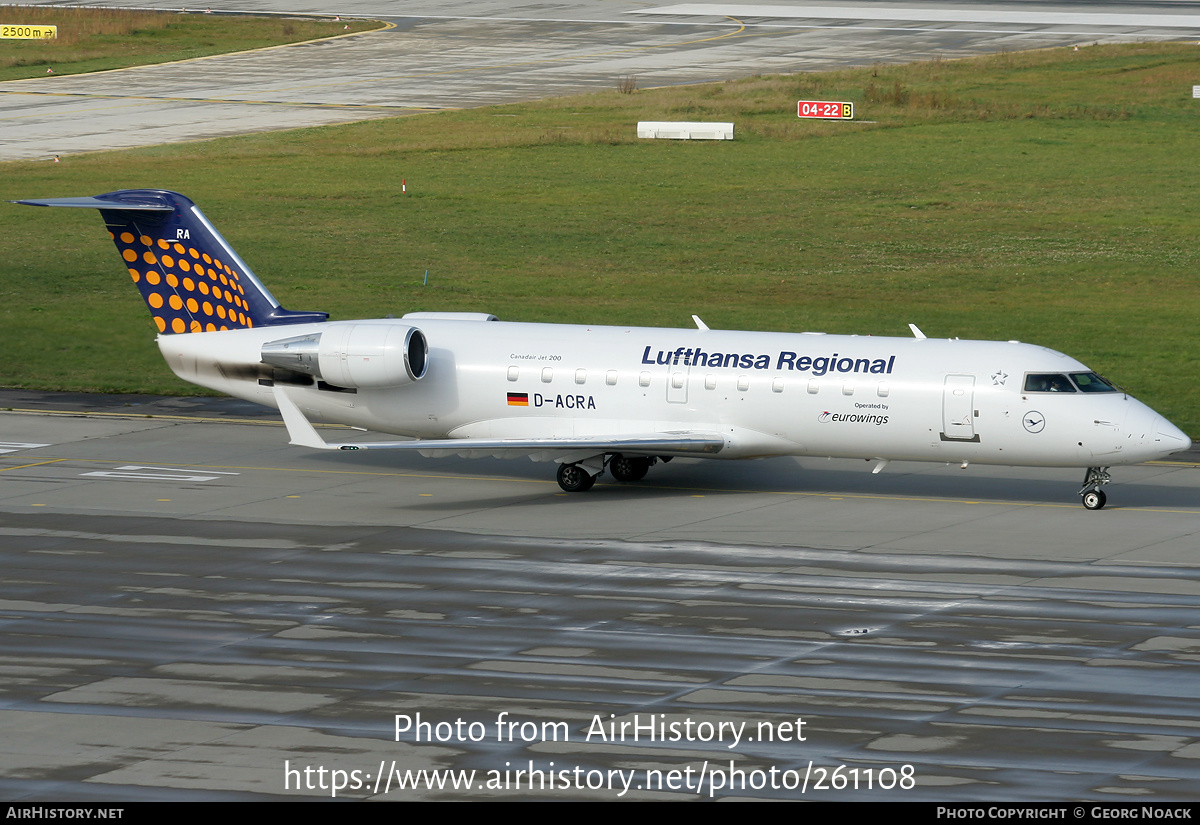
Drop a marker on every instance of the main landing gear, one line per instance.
(576, 478)
(629, 468)
(1093, 496)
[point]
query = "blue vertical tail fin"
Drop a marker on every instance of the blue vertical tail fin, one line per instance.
(189, 276)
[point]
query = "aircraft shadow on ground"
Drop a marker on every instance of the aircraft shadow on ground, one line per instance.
(780, 476)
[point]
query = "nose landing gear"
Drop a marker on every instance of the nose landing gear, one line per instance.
(1093, 496)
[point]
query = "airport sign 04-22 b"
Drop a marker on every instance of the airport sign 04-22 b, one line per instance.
(826, 109)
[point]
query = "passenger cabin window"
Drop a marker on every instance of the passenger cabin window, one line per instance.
(580, 376)
(814, 386)
(644, 379)
(777, 385)
(883, 390)
(743, 383)
(710, 382)
(547, 375)
(1048, 382)
(513, 372)
(610, 378)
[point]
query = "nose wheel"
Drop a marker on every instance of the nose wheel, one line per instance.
(1093, 496)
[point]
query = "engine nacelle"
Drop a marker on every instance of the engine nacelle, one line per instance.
(362, 356)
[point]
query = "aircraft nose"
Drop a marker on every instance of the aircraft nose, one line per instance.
(1169, 437)
(1153, 435)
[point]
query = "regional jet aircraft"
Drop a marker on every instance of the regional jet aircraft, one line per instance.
(621, 399)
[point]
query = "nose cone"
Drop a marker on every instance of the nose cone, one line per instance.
(1169, 438)
(1151, 436)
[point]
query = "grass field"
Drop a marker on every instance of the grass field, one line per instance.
(91, 40)
(1049, 197)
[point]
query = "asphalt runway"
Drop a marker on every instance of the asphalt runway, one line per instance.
(192, 609)
(461, 53)
(952, 635)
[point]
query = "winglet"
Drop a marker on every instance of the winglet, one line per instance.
(301, 433)
(699, 324)
(916, 332)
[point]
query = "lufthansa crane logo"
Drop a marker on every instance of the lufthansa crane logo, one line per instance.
(1033, 421)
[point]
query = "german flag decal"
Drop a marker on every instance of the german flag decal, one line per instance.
(518, 399)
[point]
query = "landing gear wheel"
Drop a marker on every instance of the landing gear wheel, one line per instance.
(628, 468)
(574, 479)
(1093, 480)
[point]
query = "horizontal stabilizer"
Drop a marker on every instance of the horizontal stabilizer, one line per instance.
(145, 204)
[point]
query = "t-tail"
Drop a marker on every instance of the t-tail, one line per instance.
(189, 276)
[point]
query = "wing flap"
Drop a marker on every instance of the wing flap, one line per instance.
(683, 442)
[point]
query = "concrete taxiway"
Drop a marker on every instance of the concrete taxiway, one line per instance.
(190, 606)
(460, 53)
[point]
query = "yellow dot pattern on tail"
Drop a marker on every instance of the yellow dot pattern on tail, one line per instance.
(187, 290)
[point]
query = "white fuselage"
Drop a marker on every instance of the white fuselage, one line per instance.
(765, 393)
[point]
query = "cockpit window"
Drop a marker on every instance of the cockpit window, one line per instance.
(1048, 382)
(1090, 382)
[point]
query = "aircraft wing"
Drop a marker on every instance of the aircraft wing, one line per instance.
(302, 433)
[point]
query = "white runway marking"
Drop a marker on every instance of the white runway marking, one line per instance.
(927, 15)
(14, 446)
(138, 472)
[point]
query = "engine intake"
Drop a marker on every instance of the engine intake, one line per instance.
(363, 356)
